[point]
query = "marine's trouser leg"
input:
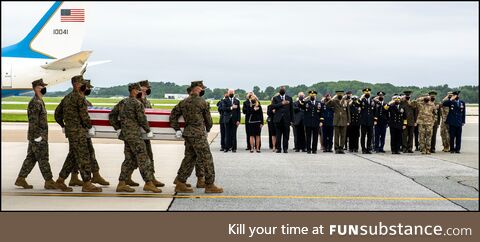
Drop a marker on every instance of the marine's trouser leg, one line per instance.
(36, 151)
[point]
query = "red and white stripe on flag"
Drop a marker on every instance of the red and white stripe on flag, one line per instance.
(72, 15)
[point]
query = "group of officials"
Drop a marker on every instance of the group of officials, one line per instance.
(128, 119)
(343, 121)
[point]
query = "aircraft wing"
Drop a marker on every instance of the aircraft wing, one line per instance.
(74, 61)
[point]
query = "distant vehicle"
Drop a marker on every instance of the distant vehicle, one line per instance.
(52, 50)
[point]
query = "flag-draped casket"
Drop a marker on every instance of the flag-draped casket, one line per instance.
(158, 120)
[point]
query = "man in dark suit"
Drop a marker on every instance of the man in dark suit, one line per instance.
(298, 126)
(455, 120)
(246, 105)
(283, 105)
(222, 126)
(366, 120)
(231, 119)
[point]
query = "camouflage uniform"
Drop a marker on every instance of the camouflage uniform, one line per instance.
(71, 163)
(444, 128)
(73, 109)
(435, 127)
(129, 116)
(37, 151)
(199, 170)
(427, 112)
(198, 121)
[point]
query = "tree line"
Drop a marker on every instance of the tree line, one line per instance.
(468, 93)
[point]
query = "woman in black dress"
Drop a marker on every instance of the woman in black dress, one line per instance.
(271, 127)
(256, 123)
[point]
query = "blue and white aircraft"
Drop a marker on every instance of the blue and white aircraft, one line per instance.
(51, 51)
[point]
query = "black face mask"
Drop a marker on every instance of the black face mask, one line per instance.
(43, 91)
(348, 97)
(139, 95)
(367, 95)
(426, 100)
(432, 99)
(380, 98)
(457, 98)
(83, 88)
(230, 95)
(148, 91)
(282, 92)
(253, 102)
(407, 97)
(397, 102)
(300, 98)
(202, 92)
(87, 92)
(312, 98)
(340, 97)
(449, 96)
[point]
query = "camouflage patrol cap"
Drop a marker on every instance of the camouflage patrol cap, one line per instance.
(432, 93)
(144, 83)
(79, 79)
(38, 82)
(88, 82)
(132, 86)
(197, 84)
(189, 89)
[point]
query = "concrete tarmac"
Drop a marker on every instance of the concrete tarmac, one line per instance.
(260, 181)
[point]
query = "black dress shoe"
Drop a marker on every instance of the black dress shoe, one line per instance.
(234, 151)
(457, 151)
(278, 151)
(341, 152)
(314, 152)
(226, 151)
(452, 151)
(309, 152)
(409, 151)
(337, 152)
(297, 150)
(222, 149)
(304, 150)
(364, 151)
(247, 149)
(285, 151)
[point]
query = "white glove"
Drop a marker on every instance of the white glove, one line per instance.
(63, 130)
(118, 132)
(150, 134)
(178, 134)
(91, 131)
(38, 139)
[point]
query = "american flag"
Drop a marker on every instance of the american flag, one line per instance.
(72, 15)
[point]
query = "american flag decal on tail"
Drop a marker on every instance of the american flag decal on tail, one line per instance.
(72, 15)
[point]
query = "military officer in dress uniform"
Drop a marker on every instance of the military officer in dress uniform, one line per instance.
(396, 119)
(366, 120)
(455, 121)
(411, 117)
(381, 122)
(312, 121)
(353, 130)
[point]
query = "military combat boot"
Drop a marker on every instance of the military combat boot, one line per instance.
(97, 178)
(50, 185)
(123, 187)
(200, 182)
(89, 187)
(183, 188)
(130, 182)
(176, 181)
(157, 183)
(211, 188)
(74, 181)
(61, 185)
(149, 186)
(21, 182)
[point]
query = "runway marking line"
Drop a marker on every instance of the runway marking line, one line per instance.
(154, 195)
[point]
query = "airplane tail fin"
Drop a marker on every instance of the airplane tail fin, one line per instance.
(59, 33)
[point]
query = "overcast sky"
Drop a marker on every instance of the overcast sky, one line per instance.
(242, 44)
